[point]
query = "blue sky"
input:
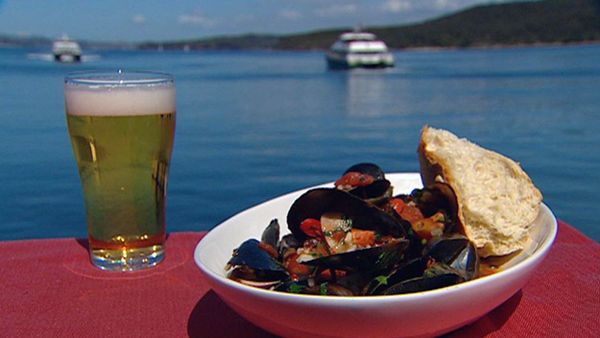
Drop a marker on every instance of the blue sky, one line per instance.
(129, 20)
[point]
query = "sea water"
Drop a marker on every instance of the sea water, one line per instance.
(254, 125)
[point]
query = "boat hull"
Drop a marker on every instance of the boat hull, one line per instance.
(348, 61)
(67, 58)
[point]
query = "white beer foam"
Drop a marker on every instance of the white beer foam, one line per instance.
(119, 101)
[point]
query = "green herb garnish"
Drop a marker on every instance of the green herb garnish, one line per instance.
(323, 289)
(296, 288)
(382, 280)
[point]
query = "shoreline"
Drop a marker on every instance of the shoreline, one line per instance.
(501, 46)
(182, 47)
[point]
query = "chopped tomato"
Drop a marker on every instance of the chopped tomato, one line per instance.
(429, 227)
(326, 274)
(407, 211)
(338, 235)
(311, 227)
(296, 269)
(383, 239)
(336, 229)
(269, 249)
(363, 238)
(316, 247)
(355, 179)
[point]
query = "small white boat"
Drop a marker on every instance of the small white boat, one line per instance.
(66, 50)
(359, 49)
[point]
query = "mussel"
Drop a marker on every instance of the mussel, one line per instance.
(458, 252)
(316, 202)
(374, 258)
(446, 261)
(426, 213)
(366, 181)
(256, 262)
(434, 277)
(351, 218)
(252, 265)
(270, 235)
(439, 197)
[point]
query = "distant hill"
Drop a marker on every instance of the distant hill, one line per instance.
(530, 22)
(550, 21)
(32, 41)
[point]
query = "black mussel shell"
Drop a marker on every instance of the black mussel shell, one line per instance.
(370, 259)
(409, 270)
(458, 252)
(370, 169)
(271, 234)
(316, 202)
(356, 281)
(467, 262)
(438, 196)
(376, 192)
(425, 283)
(415, 276)
(446, 261)
(288, 242)
(250, 255)
(336, 289)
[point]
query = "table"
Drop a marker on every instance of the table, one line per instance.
(50, 289)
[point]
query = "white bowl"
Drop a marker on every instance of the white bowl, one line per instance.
(426, 313)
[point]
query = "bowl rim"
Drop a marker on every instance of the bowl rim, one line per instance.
(527, 263)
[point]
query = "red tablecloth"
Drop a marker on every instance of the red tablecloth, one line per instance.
(49, 289)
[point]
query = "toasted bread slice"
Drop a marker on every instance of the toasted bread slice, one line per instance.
(497, 202)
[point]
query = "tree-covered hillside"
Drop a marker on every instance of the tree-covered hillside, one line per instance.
(529, 22)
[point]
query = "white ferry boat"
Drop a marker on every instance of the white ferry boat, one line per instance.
(66, 50)
(359, 49)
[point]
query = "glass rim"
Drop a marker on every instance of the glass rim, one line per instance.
(118, 78)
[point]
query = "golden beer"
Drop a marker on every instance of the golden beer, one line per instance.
(122, 138)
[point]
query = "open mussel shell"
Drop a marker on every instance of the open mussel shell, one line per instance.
(251, 255)
(436, 196)
(425, 283)
(447, 261)
(458, 252)
(319, 201)
(376, 192)
(252, 265)
(370, 169)
(288, 243)
(415, 276)
(439, 196)
(409, 270)
(369, 259)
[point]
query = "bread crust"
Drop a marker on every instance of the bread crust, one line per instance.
(489, 240)
(430, 169)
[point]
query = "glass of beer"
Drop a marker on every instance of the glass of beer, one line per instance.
(122, 126)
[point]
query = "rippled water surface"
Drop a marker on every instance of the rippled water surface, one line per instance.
(254, 125)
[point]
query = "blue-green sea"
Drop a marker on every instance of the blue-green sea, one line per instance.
(254, 125)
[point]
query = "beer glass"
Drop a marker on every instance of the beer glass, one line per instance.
(122, 126)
